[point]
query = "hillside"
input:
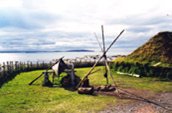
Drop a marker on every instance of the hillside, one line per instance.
(157, 49)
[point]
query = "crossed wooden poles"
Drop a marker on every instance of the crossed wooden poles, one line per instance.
(104, 50)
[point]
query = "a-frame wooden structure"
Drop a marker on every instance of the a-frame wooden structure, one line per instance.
(103, 56)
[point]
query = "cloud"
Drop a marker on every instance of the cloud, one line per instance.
(25, 19)
(138, 29)
(141, 19)
(61, 25)
(52, 40)
(141, 27)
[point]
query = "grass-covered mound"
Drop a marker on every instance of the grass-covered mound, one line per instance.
(17, 96)
(157, 49)
(154, 58)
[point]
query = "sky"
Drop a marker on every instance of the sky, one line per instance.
(49, 25)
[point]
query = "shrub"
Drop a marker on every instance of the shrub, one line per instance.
(142, 69)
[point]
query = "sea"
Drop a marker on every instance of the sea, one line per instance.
(44, 56)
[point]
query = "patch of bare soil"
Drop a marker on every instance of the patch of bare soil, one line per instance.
(139, 101)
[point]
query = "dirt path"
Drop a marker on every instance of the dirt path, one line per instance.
(140, 101)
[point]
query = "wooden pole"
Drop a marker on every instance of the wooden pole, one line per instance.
(107, 71)
(114, 41)
(108, 68)
(105, 58)
(35, 79)
(98, 42)
(103, 41)
(103, 38)
(86, 76)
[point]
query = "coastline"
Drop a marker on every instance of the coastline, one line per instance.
(50, 56)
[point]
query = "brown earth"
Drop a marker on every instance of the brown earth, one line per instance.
(139, 101)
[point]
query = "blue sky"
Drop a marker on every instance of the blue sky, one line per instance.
(70, 24)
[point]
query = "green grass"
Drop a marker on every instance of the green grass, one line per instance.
(144, 83)
(125, 81)
(17, 96)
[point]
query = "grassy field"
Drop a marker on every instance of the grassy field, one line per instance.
(17, 96)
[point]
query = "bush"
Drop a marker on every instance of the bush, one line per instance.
(142, 69)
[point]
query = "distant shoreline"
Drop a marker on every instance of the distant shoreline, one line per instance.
(38, 56)
(46, 51)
